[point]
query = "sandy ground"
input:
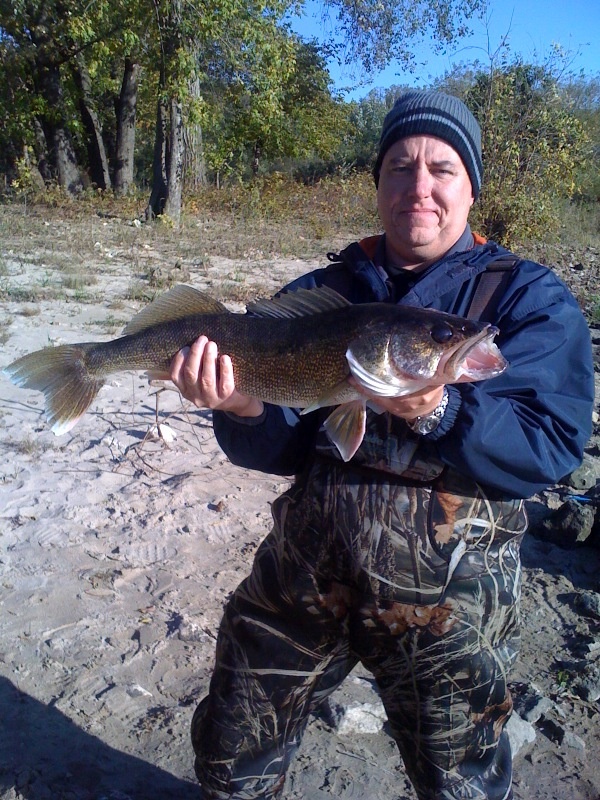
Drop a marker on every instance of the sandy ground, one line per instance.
(117, 552)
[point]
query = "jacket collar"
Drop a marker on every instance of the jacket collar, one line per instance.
(445, 275)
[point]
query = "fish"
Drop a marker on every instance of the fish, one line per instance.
(305, 349)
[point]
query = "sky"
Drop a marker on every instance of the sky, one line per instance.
(533, 28)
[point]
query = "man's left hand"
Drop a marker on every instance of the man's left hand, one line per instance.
(409, 406)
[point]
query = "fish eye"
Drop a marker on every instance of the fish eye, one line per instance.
(441, 332)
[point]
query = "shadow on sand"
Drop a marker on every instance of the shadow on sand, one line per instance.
(45, 756)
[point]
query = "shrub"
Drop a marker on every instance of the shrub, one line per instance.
(533, 146)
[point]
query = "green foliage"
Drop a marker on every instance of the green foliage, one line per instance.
(533, 146)
(372, 31)
(271, 102)
(264, 94)
(39, 44)
(16, 107)
(335, 203)
(366, 116)
(583, 95)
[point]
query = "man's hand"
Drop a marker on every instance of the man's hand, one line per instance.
(206, 380)
(409, 406)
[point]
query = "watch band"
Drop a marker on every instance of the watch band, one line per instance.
(429, 422)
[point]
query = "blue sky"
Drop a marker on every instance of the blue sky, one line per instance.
(533, 28)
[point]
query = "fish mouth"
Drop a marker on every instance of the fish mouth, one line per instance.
(474, 360)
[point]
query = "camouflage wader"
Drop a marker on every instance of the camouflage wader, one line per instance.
(418, 581)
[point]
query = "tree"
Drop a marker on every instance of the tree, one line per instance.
(295, 118)
(17, 133)
(126, 110)
(43, 45)
(366, 118)
(372, 33)
(54, 48)
(376, 32)
(227, 77)
(175, 55)
(533, 146)
(581, 95)
(97, 157)
(237, 39)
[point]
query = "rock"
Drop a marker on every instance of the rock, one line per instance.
(162, 431)
(584, 477)
(536, 709)
(135, 690)
(589, 603)
(190, 632)
(572, 740)
(520, 732)
(569, 525)
(587, 685)
(529, 702)
(364, 718)
(552, 730)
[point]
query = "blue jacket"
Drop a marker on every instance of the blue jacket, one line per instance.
(517, 433)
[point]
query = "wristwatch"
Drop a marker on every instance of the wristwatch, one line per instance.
(429, 422)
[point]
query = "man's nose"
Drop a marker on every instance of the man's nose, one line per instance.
(421, 182)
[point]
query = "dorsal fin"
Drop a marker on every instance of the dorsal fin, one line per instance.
(180, 301)
(299, 303)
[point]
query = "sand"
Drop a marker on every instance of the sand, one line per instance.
(118, 549)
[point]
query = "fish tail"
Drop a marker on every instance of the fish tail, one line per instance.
(62, 374)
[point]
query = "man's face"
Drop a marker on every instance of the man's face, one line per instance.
(423, 198)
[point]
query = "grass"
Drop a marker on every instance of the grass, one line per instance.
(110, 324)
(77, 280)
(27, 294)
(4, 329)
(29, 311)
(31, 446)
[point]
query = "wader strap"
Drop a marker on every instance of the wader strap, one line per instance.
(490, 287)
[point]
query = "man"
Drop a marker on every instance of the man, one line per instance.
(406, 558)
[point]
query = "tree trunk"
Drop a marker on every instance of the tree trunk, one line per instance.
(69, 177)
(175, 163)
(98, 161)
(194, 171)
(168, 144)
(158, 196)
(41, 151)
(126, 113)
(36, 176)
(60, 146)
(256, 159)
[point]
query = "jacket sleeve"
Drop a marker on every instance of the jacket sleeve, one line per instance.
(278, 442)
(527, 428)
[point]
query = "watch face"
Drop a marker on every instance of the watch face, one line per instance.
(428, 424)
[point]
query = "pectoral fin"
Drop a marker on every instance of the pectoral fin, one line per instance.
(157, 375)
(346, 426)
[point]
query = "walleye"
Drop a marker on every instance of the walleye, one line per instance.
(296, 350)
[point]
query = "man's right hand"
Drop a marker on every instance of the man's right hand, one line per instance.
(206, 379)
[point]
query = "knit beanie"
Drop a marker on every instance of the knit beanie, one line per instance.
(434, 114)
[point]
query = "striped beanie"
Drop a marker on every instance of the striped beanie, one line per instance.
(434, 114)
